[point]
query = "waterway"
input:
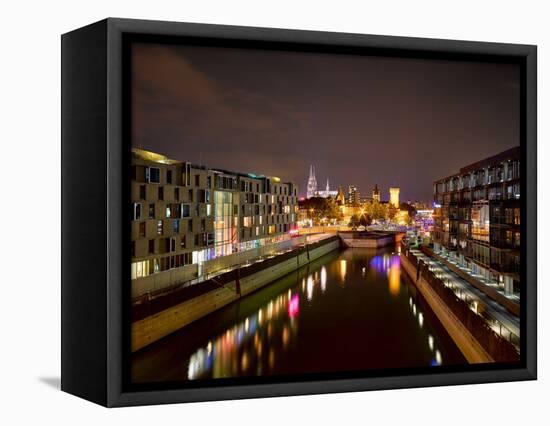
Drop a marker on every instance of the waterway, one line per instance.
(351, 310)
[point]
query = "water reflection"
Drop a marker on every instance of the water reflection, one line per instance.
(240, 349)
(343, 268)
(309, 322)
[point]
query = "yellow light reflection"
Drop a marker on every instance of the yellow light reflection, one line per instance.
(394, 280)
(343, 268)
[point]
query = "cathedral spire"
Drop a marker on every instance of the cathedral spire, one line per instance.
(311, 183)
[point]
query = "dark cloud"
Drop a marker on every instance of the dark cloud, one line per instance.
(360, 120)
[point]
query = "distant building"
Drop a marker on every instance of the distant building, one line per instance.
(376, 194)
(340, 197)
(394, 197)
(477, 218)
(327, 192)
(311, 183)
(313, 190)
(353, 195)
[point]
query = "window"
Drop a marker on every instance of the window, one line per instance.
(173, 244)
(159, 227)
(176, 225)
(183, 243)
(208, 209)
(168, 211)
(142, 229)
(209, 182)
(142, 192)
(190, 225)
(140, 269)
(151, 211)
(152, 174)
(185, 210)
(161, 193)
(176, 194)
(136, 211)
(133, 248)
(186, 176)
(151, 246)
(169, 176)
(197, 180)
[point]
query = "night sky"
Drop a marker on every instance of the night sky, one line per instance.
(360, 120)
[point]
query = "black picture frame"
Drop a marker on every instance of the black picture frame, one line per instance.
(95, 161)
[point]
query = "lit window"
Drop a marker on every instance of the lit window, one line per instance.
(140, 269)
(136, 211)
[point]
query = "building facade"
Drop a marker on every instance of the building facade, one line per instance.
(184, 214)
(311, 183)
(353, 196)
(327, 192)
(376, 193)
(394, 197)
(477, 218)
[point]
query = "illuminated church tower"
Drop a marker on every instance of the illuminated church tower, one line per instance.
(376, 193)
(311, 183)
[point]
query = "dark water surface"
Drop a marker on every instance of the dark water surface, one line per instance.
(348, 311)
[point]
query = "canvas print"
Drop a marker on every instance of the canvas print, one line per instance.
(300, 214)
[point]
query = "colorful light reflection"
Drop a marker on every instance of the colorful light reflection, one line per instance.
(294, 306)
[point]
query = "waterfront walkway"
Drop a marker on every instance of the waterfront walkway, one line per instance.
(502, 321)
(309, 239)
(495, 286)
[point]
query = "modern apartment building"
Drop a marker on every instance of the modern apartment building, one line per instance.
(353, 195)
(477, 218)
(185, 214)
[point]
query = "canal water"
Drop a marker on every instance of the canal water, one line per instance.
(351, 310)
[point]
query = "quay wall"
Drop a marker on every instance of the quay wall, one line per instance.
(150, 328)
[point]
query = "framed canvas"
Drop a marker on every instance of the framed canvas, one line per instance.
(254, 212)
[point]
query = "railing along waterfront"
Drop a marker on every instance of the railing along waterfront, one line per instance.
(499, 348)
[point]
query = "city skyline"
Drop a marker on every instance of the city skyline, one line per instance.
(360, 120)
